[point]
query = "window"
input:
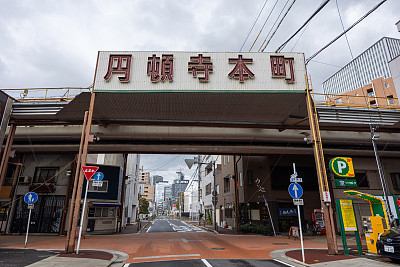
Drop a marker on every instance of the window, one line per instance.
(250, 177)
(98, 189)
(101, 212)
(390, 99)
(386, 85)
(395, 180)
(228, 159)
(240, 179)
(370, 92)
(356, 94)
(208, 168)
(45, 174)
(372, 103)
(208, 189)
(228, 210)
(224, 160)
(362, 180)
(218, 189)
(227, 184)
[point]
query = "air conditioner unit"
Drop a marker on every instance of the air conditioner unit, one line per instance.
(24, 180)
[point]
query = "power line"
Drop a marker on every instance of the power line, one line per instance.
(348, 29)
(263, 25)
(305, 23)
(253, 25)
(326, 63)
(279, 24)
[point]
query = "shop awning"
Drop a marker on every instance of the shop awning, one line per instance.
(105, 204)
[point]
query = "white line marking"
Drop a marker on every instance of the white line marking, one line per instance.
(126, 264)
(167, 256)
(206, 263)
(148, 229)
(287, 264)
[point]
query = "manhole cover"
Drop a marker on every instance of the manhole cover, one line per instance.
(218, 248)
(280, 243)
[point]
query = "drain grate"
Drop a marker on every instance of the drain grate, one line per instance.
(280, 243)
(217, 248)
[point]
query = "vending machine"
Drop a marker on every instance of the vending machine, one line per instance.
(317, 217)
(372, 226)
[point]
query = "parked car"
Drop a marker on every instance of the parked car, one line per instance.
(388, 244)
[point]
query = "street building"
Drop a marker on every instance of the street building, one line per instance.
(379, 93)
(159, 198)
(156, 178)
(131, 202)
(373, 63)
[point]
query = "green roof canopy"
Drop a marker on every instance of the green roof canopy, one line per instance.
(367, 197)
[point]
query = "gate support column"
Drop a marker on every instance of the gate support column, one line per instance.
(71, 242)
(6, 153)
(323, 184)
(69, 249)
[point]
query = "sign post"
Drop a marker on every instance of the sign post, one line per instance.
(30, 199)
(88, 171)
(296, 192)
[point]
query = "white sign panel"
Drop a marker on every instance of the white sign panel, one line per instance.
(298, 201)
(199, 72)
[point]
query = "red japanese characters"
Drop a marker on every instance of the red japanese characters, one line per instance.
(279, 68)
(200, 64)
(161, 67)
(119, 64)
(240, 71)
(167, 68)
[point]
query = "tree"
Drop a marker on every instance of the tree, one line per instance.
(143, 206)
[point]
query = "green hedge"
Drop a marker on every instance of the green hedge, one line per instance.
(256, 228)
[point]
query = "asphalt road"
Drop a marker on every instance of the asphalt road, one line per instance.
(166, 224)
(22, 257)
(211, 263)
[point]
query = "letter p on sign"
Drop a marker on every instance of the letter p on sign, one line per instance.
(342, 167)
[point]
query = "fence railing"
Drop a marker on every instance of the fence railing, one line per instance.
(46, 94)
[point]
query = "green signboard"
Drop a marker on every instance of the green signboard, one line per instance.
(346, 182)
(342, 167)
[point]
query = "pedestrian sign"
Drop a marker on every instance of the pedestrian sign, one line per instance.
(295, 190)
(98, 176)
(89, 171)
(342, 167)
(30, 198)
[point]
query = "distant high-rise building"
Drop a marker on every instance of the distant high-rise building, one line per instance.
(156, 179)
(373, 63)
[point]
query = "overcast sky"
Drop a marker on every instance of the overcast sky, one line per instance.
(54, 43)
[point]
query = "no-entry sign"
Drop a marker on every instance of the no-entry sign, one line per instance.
(89, 171)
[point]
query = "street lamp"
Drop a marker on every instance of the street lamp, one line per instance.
(375, 136)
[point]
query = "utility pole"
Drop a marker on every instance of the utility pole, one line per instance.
(198, 198)
(215, 197)
(237, 213)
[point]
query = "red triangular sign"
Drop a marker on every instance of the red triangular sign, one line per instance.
(89, 171)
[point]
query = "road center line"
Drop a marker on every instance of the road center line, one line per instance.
(167, 256)
(206, 263)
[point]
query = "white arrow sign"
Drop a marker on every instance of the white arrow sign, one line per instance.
(295, 190)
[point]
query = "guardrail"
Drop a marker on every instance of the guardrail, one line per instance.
(356, 101)
(46, 94)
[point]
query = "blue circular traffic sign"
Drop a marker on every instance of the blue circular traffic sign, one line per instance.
(30, 198)
(98, 176)
(295, 190)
